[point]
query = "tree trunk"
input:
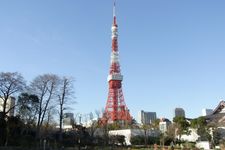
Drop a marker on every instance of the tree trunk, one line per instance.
(60, 122)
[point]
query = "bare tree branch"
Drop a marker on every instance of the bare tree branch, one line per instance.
(45, 87)
(10, 84)
(65, 97)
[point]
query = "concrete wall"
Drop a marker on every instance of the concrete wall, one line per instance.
(128, 133)
(203, 144)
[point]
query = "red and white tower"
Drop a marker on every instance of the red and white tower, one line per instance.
(116, 109)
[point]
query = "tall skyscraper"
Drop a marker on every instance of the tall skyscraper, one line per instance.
(115, 109)
(179, 112)
(10, 106)
(146, 117)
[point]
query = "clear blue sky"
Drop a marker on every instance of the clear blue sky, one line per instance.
(172, 52)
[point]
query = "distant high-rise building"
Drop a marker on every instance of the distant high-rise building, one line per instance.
(179, 112)
(10, 104)
(68, 120)
(146, 117)
(206, 112)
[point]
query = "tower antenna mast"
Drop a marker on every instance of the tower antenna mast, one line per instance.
(114, 8)
(114, 12)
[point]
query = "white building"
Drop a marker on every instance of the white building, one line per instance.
(68, 121)
(163, 124)
(128, 133)
(146, 117)
(9, 105)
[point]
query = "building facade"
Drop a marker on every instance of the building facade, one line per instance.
(10, 104)
(129, 133)
(146, 117)
(68, 121)
(179, 112)
(206, 112)
(163, 124)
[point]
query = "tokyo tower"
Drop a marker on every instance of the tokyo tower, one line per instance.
(115, 109)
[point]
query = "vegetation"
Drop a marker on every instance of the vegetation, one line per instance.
(35, 106)
(141, 140)
(202, 129)
(10, 84)
(117, 140)
(48, 96)
(181, 126)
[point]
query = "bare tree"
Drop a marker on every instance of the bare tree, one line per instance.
(93, 126)
(45, 87)
(49, 121)
(171, 131)
(10, 84)
(65, 97)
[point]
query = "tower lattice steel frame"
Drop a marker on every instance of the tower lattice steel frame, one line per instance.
(116, 109)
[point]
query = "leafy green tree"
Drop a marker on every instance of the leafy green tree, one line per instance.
(15, 128)
(134, 124)
(155, 124)
(17, 133)
(28, 107)
(146, 128)
(216, 136)
(3, 130)
(114, 126)
(182, 126)
(137, 140)
(202, 129)
(117, 139)
(198, 122)
(204, 134)
(140, 140)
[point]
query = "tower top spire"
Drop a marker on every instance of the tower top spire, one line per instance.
(114, 8)
(114, 12)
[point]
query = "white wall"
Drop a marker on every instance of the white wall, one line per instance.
(192, 137)
(203, 144)
(128, 133)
